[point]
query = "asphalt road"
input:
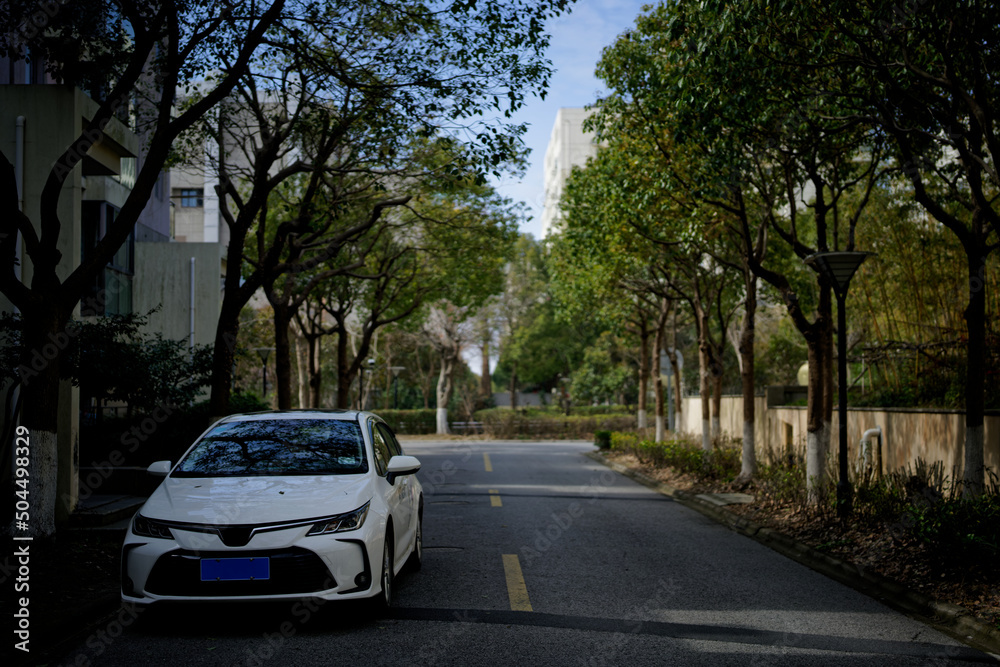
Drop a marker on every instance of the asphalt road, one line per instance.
(536, 555)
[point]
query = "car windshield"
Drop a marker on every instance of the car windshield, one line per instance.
(277, 447)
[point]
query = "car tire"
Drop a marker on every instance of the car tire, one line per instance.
(417, 555)
(383, 601)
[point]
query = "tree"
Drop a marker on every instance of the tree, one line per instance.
(524, 289)
(923, 76)
(727, 123)
(108, 49)
(448, 242)
(333, 109)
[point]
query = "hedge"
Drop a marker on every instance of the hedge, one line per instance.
(505, 423)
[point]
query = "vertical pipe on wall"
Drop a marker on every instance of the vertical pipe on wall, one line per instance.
(191, 324)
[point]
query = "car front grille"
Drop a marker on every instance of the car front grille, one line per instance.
(293, 570)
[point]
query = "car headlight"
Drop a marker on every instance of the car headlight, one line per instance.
(342, 522)
(150, 528)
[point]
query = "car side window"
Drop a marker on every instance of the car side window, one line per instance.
(390, 439)
(381, 449)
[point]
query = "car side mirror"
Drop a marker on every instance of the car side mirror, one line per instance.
(401, 465)
(159, 468)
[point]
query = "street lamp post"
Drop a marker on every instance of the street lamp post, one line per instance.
(263, 353)
(396, 370)
(362, 399)
(839, 267)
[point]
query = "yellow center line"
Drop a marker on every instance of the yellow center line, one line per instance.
(516, 590)
(495, 498)
(487, 463)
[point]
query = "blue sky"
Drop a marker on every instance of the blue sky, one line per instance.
(575, 48)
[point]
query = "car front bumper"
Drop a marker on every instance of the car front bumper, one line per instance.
(332, 567)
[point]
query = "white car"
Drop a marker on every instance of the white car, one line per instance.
(279, 505)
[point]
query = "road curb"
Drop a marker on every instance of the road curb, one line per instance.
(951, 619)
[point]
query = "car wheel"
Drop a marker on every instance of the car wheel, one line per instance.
(384, 599)
(417, 555)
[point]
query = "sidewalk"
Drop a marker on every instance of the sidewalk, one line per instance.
(75, 577)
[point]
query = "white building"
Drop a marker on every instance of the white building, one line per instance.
(568, 146)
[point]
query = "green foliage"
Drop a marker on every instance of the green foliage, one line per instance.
(411, 422)
(601, 377)
(163, 433)
(602, 439)
(779, 352)
(963, 532)
(505, 423)
(114, 359)
(683, 455)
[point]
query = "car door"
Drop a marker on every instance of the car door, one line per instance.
(393, 494)
(408, 499)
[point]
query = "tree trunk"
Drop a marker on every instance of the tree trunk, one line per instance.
(716, 408)
(344, 376)
(705, 376)
(44, 338)
(485, 384)
(513, 385)
(659, 411)
(315, 373)
(227, 332)
(658, 345)
(282, 356)
(819, 408)
(748, 468)
(643, 371)
(675, 367)
(973, 475)
(444, 390)
(302, 367)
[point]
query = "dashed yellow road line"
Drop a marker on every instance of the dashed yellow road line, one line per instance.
(516, 590)
(487, 463)
(495, 498)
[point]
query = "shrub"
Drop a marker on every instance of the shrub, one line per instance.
(505, 423)
(411, 422)
(683, 455)
(602, 439)
(964, 532)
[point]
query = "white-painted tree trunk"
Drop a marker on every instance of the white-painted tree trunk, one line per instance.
(748, 470)
(973, 475)
(660, 428)
(706, 435)
(442, 421)
(641, 419)
(817, 447)
(42, 485)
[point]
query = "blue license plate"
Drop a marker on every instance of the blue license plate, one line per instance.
(235, 569)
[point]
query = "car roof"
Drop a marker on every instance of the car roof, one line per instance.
(343, 415)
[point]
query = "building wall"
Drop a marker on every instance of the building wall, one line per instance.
(907, 435)
(165, 281)
(568, 146)
(54, 117)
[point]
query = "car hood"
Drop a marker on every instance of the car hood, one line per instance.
(256, 500)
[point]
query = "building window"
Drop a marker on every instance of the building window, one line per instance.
(111, 291)
(192, 198)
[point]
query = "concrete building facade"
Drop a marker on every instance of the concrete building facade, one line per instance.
(568, 146)
(39, 119)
